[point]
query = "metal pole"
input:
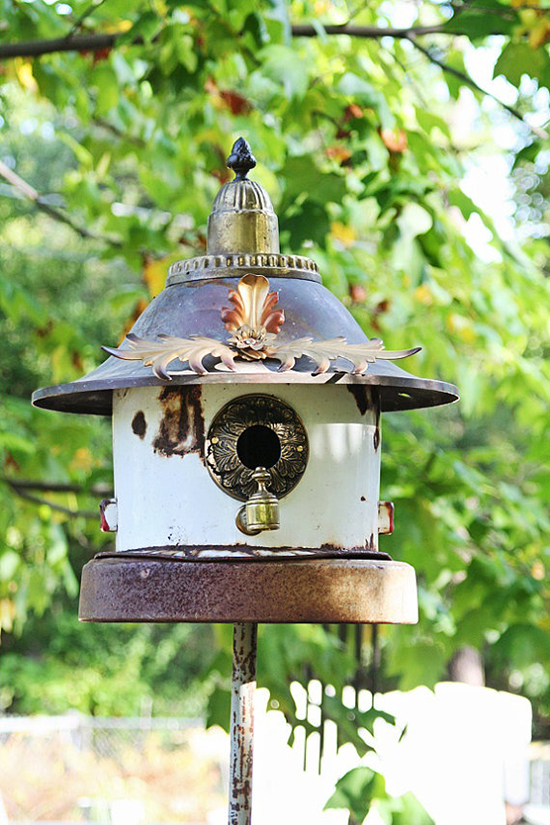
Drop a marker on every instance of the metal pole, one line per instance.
(242, 722)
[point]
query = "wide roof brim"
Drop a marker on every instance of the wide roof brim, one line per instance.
(188, 309)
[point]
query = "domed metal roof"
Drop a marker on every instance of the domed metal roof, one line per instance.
(290, 322)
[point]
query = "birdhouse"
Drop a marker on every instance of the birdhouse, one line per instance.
(246, 405)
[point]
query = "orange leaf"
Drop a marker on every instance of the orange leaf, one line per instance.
(357, 293)
(100, 54)
(353, 111)
(345, 234)
(540, 33)
(395, 140)
(339, 153)
(155, 271)
(236, 103)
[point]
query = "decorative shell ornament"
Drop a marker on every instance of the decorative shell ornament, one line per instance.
(254, 321)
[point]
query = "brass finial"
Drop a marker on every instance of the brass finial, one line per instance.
(241, 160)
(242, 221)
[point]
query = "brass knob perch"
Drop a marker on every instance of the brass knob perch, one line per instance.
(261, 511)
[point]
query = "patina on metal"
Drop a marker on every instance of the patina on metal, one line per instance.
(243, 243)
(125, 587)
(252, 431)
(255, 325)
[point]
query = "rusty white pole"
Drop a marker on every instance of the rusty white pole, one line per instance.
(242, 722)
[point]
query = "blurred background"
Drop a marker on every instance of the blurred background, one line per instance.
(405, 148)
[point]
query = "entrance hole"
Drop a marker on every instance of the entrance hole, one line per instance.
(259, 446)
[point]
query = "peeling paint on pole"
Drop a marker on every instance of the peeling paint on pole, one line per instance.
(242, 722)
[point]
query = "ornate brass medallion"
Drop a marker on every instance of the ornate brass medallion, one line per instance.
(252, 431)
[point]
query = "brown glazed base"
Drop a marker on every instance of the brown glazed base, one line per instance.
(248, 590)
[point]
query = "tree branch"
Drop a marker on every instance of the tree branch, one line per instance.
(472, 83)
(110, 127)
(57, 507)
(58, 487)
(86, 13)
(31, 194)
(368, 32)
(96, 42)
(76, 43)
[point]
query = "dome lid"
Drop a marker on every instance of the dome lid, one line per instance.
(220, 320)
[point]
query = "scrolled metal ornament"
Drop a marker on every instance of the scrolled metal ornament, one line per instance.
(254, 322)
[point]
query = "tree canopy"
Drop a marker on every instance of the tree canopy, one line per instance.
(377, 128)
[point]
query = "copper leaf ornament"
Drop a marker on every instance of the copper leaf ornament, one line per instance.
(253, 306)
(254, 323)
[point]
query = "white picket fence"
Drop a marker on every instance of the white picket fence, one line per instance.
(73, 769)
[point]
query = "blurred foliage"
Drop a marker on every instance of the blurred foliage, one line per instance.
(105, 670)
(364, 145)
(174, 774)
(362, 788)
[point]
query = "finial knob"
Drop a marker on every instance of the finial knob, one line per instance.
(241, 160)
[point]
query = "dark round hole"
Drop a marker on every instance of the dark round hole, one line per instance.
(258, 446)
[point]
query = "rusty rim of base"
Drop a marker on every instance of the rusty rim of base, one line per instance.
(318, 590)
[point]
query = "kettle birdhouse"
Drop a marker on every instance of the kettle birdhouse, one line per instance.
(246, 406)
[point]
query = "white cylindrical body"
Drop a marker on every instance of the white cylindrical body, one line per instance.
(167, 498)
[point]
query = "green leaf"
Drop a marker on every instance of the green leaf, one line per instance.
(518, 59)
(255, 25)
(528, 154)
(219, 708)
(351, 722)
(355, 792)
(463, 202)
(455, 59)
(286, 67)
(107, 91)
(429, 121)
(521, 644)
(84, 157)
(480, 18)
(185, 49)
(353, 86)
(420, 663)
(414, 220)
(409, 811)
(302, 176)
(146, 26)
(310, 223)
(278, 21)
